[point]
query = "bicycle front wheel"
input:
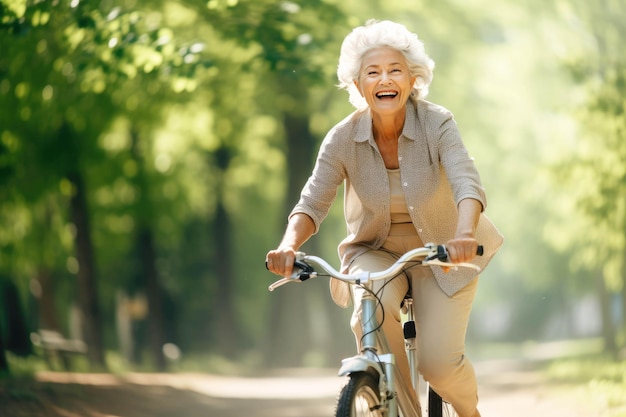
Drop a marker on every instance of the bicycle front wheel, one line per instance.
(437, 407)
(435, 404)
(360, 397)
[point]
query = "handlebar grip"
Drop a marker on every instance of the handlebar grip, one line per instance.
(480, 250)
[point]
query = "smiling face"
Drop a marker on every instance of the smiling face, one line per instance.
(385, 80)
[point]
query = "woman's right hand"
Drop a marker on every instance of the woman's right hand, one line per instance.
(280, 261)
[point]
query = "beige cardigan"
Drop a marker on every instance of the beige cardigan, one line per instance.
(436, 173)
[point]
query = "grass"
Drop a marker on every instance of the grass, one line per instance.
(24, 367)
(597, 379)
(248, 364)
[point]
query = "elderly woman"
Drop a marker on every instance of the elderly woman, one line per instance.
(408, 181)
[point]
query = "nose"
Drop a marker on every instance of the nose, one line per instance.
(385, 78)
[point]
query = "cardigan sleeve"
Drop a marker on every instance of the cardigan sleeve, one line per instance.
(462, 174)
(320, 190)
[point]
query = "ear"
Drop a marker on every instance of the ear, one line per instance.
(356, 84)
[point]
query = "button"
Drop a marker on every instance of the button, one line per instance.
(399, 158)
(419, 230)
(406, 184)
(411, 208)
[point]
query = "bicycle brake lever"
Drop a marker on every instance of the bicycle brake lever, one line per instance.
(450, 265)
(279, 283)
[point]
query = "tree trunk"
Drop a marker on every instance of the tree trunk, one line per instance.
(155, 297)
(608, 328)
(44, 285)
(4, 364)
(225, 322)
(289, 336)
(15, 327)
(224, 313)
(47, 310)
(87, 282)
(149, 274)
(623, 304)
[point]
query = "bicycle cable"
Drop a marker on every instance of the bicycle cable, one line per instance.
(376, 294)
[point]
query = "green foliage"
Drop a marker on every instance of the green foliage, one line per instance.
(171, 108)
(594, 169)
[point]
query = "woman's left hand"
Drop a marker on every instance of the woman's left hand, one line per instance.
(462, 249)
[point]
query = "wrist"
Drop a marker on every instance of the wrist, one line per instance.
(465, 235)
(287, 246)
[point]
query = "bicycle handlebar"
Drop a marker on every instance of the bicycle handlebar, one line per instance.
(307, 266)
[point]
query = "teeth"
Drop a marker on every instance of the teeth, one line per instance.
(386, 93)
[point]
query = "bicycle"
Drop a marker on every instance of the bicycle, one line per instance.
(373, 389)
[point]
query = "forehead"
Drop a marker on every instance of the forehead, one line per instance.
(382, 56)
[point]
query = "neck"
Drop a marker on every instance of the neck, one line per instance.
(388, 127)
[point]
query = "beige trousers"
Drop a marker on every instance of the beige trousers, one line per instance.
(441, 321)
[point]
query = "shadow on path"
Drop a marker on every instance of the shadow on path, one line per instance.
(167, 395)
(511, 389)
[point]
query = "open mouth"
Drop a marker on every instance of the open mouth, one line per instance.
(386, 94)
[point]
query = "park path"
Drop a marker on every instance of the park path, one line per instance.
(507, 388)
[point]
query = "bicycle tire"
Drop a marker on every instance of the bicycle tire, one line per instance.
(360, 397)
(437, 407)
(435, 404)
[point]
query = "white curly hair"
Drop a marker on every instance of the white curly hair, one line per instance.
(377, 34)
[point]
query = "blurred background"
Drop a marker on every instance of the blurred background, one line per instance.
(151, 150)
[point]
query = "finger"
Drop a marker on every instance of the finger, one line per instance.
(271, 264)
(471, 249)
(465, 254)
(289, 260)
(453, 254)
(462, 253)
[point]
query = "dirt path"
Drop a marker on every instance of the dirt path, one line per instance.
(507, 390)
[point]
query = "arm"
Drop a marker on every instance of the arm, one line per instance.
(460, 168)
(299, 229)
(466, 188)
(463, 247)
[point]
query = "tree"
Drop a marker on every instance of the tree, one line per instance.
(287, 42)
(34, 34)
(595, 170)
(80, 58)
